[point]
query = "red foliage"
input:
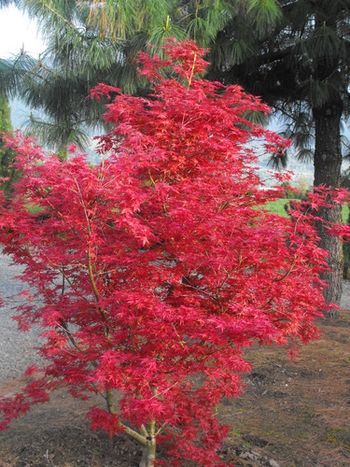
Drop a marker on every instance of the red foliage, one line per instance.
(156, 267)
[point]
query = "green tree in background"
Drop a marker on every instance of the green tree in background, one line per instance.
(93, 41)
(57, 85)
(301, 68)
(6, 155)
(10, 74)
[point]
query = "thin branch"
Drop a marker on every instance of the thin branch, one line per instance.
(65, 329)
(192, 70)
(89, 259)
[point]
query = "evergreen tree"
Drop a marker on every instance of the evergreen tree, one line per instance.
(93, 41)
(6, 171)
(301, 67)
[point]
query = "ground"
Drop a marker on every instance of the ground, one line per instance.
(297, 413)
(293, 413)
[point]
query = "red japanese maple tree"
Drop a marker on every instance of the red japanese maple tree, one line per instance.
(156, 267)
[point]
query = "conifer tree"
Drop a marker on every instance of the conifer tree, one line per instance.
(7, 172)
(301, 68)
(93, 41)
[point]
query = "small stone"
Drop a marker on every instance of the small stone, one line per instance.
(250, 455)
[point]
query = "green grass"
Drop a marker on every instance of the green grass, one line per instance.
(277, 207)
(34, 208)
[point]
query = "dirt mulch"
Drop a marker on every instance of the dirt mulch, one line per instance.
(297, 413)
(292, 414)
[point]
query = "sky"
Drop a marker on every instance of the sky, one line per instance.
(17, 31)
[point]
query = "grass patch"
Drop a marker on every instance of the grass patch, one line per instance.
(278, 207)
(33, 208)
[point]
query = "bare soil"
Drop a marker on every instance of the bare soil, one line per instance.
(293, 413)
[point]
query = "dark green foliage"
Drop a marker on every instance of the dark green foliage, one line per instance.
(299, 65)
(294, 53)
(5, 115)
(93, 41)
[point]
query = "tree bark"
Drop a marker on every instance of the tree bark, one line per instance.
(327, 165)
(150, 447)
(149, 453)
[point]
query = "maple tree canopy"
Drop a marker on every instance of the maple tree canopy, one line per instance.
(157, 266)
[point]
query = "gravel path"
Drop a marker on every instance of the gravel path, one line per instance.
(345, 299)
(16, 348)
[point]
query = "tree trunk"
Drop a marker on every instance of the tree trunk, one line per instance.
(346, 252)
(327, 164)
(149, 454)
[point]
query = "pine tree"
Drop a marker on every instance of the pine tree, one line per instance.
(301, 67)
(93, 41)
